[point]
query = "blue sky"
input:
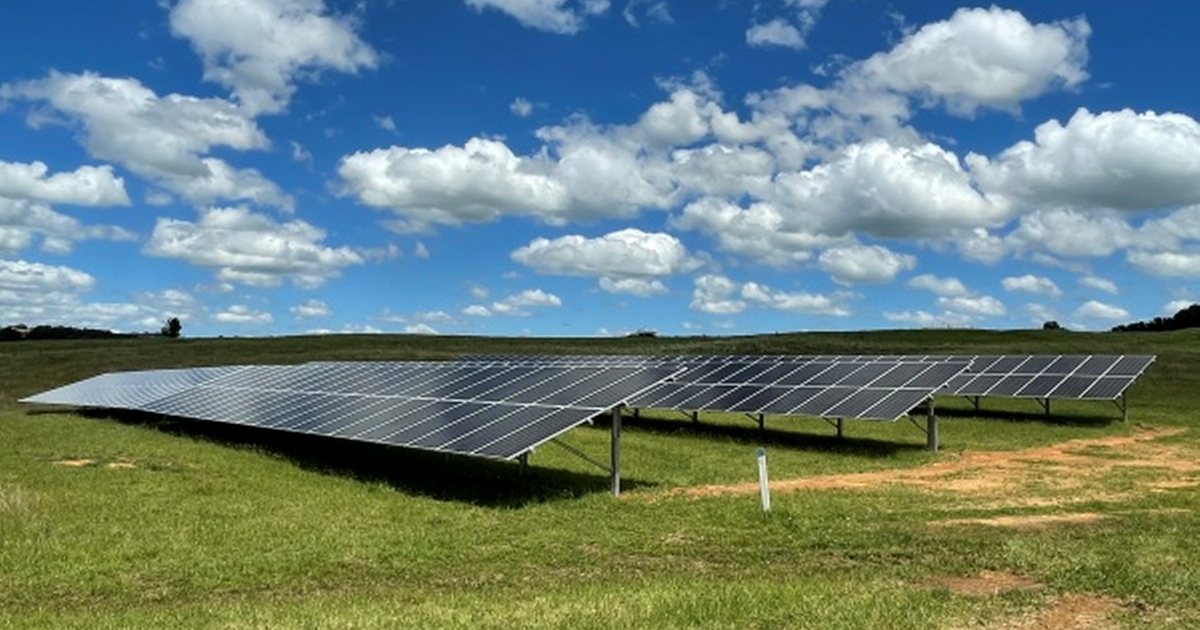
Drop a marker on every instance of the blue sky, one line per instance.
(593, 167)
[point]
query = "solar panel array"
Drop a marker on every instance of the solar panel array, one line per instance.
(504, 406)
(1079, 377)
(494, 411)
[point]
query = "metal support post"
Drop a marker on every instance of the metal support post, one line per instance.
(1124, 405)
(616, 451)
(840, 432)
(695, 416)
(762, 421)
(637, 413)
(523, 463)
(976, 404)
(1045, 403)
(931, 428)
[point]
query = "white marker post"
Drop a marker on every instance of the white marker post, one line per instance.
(763, 487)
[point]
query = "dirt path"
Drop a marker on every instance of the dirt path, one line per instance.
(1068, 472)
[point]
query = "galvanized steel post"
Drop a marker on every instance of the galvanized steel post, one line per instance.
(616, 451)
(931, 428)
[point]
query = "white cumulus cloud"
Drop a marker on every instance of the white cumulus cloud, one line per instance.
(945, 287)
(163, 138)
(776, 32)
(788, 32)
(35, 293)
(864, 263)
(625, 261)
(85, 186)
(521, 107)
(793, 302)
(251, 248)
(1030, 283)
(886, 190)
(1094, 309)
(242, 314)
(1100, 284)
(981, 305)
(1167, 264)
(926, 319)
(640, 287)
(22, 220)
(1174, 306)
(515, 305)
(310, 309)
(564, 17)
(716, 295)
(452, 185)
(259, 48)
(982, 58)
(1122, 160)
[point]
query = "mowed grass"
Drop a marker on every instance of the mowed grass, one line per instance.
(167, 523)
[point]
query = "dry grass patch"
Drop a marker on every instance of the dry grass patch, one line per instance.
(15, 499)
(85, 462)
(1032, 521)
(75, 463)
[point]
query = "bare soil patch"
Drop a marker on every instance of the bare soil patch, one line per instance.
(1068, 613)
(1059, 474)
(121, 465)
(1034, 521)
(986, 584)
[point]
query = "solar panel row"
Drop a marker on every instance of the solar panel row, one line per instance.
(1080, 377)
(488, 411)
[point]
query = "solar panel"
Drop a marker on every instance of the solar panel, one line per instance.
(129, 390)
(1079, 377)
(486, 410)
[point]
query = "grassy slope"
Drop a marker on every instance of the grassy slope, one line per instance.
(225, 527)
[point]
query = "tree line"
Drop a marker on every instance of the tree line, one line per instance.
(172, 328)
(1185, 318)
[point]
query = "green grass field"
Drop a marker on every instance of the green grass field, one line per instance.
(136, 522)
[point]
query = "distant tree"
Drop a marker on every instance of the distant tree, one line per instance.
(172, 328)
(1051, 325)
